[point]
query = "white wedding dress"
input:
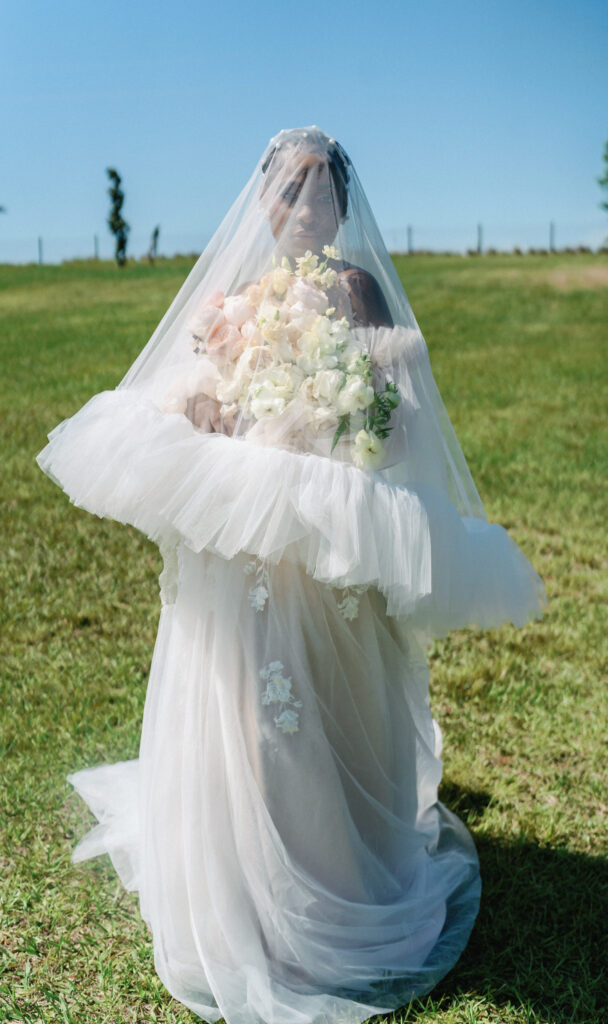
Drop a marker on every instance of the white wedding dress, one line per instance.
(282, 438)
(281, 824)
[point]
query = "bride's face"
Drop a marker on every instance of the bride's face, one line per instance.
(304, 208)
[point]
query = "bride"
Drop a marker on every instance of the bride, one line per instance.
(282, 438)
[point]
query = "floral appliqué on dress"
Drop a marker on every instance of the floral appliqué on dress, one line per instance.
(349, 605)
(278, 691)
(258, 594)
(278, 686)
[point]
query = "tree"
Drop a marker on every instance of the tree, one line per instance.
(116, 222)
(603, 181)
(153, 250)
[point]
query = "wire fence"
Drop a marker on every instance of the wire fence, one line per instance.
(463, 238)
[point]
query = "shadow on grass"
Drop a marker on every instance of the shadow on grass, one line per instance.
(540, 939)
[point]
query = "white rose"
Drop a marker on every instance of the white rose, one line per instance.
(306, 296)
(225, 345)
(368, 450)
(326, 384)
(267, 404)
(251, 333)
(354, 396)
(273, 330)
(237, 310)
(272, 322)
(254, 295)
(299, 324)
(281, 380)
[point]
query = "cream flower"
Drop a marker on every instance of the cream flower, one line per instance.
(281, 279)
(266, 403)
(271, 322)
(237, 310)
(225, 345)
(254, 295)
(355, 395)
(306, 264)
(283, 381)
(304, 295)
(368, 450)
(324, 278)
(205, 321)
(326, 385)
(251, 332)
(340, 331)
(357, 362)
(331, 252)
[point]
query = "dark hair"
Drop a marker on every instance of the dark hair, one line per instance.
(337, 162)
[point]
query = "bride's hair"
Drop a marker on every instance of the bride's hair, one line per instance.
(331, 150)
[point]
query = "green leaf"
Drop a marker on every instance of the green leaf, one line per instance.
(341, 428)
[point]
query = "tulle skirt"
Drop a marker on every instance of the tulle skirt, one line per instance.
(281, 823)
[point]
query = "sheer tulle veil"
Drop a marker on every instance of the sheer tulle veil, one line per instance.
(282, 439)
(243, 248)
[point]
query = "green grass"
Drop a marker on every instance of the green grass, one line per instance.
(516, 347)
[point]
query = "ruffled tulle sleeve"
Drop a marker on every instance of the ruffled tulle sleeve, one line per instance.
(121, 457)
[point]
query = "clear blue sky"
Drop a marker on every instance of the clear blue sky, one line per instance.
(453, 112)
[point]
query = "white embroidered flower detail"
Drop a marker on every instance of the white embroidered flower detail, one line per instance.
(258, 595)
(287, 721)
(348, 606)
(278, 691)
(257, 598)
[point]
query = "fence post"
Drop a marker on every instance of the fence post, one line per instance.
(551, 237)
(96, 246)
(410, 245)
(39, 250)
(479, 239)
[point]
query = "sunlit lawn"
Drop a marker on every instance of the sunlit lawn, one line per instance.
(518, 346)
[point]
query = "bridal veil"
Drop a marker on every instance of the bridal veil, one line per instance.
(282, 439)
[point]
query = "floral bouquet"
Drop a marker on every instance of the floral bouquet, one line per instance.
(278, 344)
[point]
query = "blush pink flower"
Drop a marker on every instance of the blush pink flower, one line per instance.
(206, 321)
(225, 345)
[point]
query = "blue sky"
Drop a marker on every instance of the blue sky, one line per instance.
(452, 112)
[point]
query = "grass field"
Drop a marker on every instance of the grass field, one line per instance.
(518, 350)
